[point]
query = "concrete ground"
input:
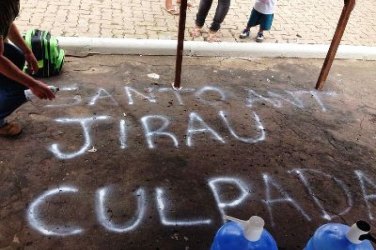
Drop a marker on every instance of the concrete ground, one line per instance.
(298, 21)
(119, 161)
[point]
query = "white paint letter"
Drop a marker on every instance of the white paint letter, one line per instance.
(244, 191)
(149, 134)
(129, 91)
(54, 230)
(325, 214)
(167, 222)
(99, 95)
(123, 134)
(58, 103)
(86, 125)
(177, 93)
(255, 97)
(368, 198)
(259, 126)
(106, 221)
(205, 89)
(295, 100)
(194, 118)
(316, 95)
(285, 198)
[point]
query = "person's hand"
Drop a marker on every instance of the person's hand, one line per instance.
(42, 91)
(32, 62)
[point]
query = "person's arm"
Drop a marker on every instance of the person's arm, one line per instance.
(15, 36)
(11, 71)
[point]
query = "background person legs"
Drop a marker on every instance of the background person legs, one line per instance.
(202, 13)
(220, 14)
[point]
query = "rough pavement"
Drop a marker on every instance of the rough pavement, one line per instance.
(119, 161)
(298, 21)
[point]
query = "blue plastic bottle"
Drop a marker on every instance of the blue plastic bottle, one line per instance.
(334, 236)
(244, 235)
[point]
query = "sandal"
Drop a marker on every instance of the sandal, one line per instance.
(196, 32)
(213, 37)
(172, 11)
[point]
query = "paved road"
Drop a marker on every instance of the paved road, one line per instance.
(298, 21)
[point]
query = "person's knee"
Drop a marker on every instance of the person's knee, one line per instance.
(15, 55)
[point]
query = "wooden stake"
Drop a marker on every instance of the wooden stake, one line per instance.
(342, 23)
(179, 54)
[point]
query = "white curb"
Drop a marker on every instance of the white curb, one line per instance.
(84, 45)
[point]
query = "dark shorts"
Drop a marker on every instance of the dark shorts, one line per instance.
(264, 20)
(11, 93)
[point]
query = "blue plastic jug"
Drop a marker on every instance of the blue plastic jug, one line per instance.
(335, 236)
(244, 235)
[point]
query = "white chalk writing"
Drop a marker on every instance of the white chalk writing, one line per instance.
(169, 222)
(33, 214)
(86, 125)
(106, 222)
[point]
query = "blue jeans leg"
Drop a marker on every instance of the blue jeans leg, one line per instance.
(220, 14)
(203, 11)
(11, 93)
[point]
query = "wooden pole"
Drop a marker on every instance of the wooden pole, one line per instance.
(346, 12)
(179, 55)
(342, 23)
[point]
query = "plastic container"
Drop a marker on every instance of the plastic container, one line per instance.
(31, 97)
(244, 235)
(341, 237)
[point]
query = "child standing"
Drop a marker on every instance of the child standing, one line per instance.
(263, 15)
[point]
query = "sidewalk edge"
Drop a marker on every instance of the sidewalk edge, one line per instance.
(84, 46)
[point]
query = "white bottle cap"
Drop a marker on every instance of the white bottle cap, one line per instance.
(252, 228)
(356, 230)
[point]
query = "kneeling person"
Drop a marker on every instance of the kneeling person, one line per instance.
(13, 81)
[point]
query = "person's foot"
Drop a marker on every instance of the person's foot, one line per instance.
(244, 34)
(172, 11)
(196, 32)
(260, 37)
(10, 129)
(213, 37)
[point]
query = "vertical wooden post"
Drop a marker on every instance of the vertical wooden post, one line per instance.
(179, 55)
(342, 23)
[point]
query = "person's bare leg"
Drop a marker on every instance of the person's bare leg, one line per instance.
(168, 4)
(170, 8)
